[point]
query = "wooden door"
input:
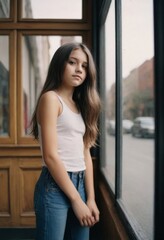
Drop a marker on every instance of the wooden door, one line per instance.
(25, 43)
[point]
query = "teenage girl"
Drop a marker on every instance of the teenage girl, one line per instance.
(65, 122)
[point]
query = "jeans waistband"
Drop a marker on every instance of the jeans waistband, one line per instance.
(78, 173)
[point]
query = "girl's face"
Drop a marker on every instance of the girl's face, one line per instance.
(75, 70)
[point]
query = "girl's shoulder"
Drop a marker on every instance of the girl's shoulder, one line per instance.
(49, 100)
(48, 105)
(50, 96)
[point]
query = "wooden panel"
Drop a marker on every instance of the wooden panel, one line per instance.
(8, 207)
(17, 182)
(110, 224)
(20, 151)
(29, 171)
(5, 192)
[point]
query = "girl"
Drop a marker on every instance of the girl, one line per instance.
(65, 122)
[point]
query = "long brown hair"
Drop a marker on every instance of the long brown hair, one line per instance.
(85, 95)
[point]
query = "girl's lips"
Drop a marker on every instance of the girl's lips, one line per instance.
(77, 76)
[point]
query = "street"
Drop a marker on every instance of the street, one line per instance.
(137, 179)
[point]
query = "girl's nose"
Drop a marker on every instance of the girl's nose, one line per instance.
(79, 68)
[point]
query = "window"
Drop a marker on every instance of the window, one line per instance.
(4, 9)
(4, 85)
(52, 9)
(37, 52)
(128, 114)
(138, 113)
(7, 86)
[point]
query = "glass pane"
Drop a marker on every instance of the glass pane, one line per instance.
(52, 9)
(109, 165)
(4, 85)
(138, 113)
(36, 55)
(4, 8)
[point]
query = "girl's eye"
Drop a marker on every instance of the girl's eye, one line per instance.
(71, 62)
(84, 66)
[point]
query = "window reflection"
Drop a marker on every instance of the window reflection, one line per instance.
(36, 55)
(109, 165)
(4, 8)
(52, 9)
(138, 113)
(4, 85)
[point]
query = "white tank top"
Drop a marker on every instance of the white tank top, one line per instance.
(70, 132)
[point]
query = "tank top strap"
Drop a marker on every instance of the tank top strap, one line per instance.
(61, 102)
(60, 99)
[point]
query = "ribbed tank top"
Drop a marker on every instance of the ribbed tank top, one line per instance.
(70, 132)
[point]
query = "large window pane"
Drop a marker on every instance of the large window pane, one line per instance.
(36, 55)
(4, 85)
(109, 163)
(4, 8)
(138, 114)
(52, 9)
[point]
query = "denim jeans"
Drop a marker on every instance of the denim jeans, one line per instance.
(55, 219)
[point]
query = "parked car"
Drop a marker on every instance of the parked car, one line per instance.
(143, 127)
(111, 127)
(127, 125)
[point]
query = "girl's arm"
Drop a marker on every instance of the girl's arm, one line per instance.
(48, 110)
(89, 183)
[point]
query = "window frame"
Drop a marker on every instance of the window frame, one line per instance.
(159, 118)
(103, 15)
(131, 228)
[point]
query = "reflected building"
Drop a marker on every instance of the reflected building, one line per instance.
(130, 87)
(4, 8)
(35, 59)
(146, 86)
(4, 99)
(4, 73)
(138, 93)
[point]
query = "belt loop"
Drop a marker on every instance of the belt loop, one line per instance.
(81, 174)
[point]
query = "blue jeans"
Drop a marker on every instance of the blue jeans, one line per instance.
(55, 219)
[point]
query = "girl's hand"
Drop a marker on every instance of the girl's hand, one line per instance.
(83, 213)
(94, 210)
